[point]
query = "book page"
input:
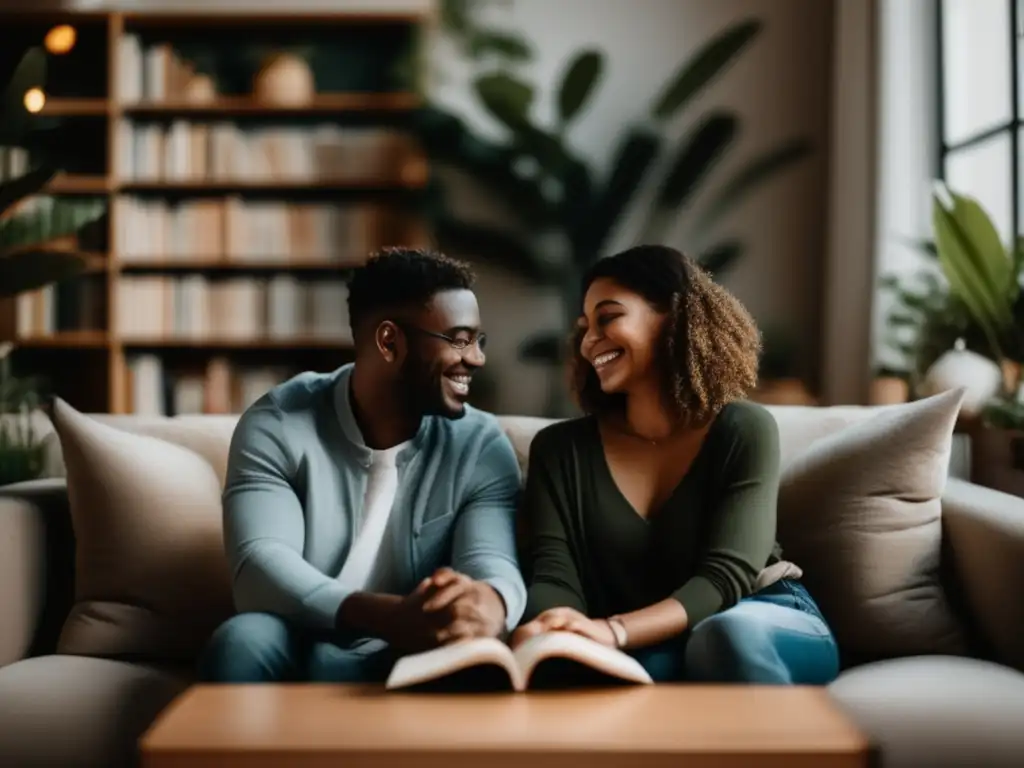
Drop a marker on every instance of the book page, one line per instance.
(438, 663)
(573, 647)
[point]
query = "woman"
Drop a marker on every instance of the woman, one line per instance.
(652, 518)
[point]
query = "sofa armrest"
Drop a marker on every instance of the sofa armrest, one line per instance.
(26, 510)
(984, 532)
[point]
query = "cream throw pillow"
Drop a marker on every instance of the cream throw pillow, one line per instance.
(860, 511)
(151, 576)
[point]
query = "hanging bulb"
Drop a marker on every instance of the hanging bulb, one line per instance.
(60, 39)
(35, 99)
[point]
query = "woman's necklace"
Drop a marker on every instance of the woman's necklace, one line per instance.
(625, 429)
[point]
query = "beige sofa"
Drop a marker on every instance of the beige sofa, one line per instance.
(924, 710)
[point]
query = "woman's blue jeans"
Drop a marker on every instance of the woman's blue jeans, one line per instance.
(776, 636)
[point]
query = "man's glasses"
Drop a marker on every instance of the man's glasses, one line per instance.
(461, 344)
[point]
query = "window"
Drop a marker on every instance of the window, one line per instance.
(981, 103)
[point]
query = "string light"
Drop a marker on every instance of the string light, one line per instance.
(60, 39)
(35, 99)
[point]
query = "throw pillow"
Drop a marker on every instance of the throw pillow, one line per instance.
(151, 576)
(860, 511)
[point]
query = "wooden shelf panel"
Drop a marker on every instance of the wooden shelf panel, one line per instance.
(283, 185)
(275, 17)
(299, 343)
(67, 183)
(194, 265)
(75, 107)
(239, 106)
(77, 184)
(65, 339)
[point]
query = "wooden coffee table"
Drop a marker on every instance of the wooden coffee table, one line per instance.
(315, 726)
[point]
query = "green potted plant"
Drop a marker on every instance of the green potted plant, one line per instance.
(565, 210)
(38, 246)
(22, 453)
(984, 276)
(780, 382)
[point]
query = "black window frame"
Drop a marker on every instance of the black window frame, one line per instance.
(1012, 126)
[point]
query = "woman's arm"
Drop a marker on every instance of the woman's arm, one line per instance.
(742, 535)
(555, 581)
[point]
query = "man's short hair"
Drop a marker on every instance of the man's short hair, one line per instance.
(400, 277)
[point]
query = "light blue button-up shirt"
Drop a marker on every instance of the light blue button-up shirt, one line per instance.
(297, 474)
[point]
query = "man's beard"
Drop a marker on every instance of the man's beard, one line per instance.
(424, 392)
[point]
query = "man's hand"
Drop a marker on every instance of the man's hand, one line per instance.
(465, 608)
(399, 620)
(565, 620)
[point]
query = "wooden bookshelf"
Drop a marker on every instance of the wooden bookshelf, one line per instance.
(256, 227)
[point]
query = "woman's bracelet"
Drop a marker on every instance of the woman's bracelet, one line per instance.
(618, 630)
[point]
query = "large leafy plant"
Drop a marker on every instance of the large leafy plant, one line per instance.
(565, 211)
(968, 291)
(38, 246)
(983, 272)
(37, 237)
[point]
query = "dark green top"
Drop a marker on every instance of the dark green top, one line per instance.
(590, 550)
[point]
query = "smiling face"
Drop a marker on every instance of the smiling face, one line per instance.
(621, 338)
(437, 377)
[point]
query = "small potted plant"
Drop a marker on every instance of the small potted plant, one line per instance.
(889, 386)
(22, 453)
(779, 371)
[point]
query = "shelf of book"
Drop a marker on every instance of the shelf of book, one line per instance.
(230, 218)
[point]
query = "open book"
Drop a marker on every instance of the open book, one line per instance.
(550, 660)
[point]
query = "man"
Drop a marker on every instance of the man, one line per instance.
(370, 511)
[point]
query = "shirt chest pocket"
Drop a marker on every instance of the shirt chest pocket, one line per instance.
(432, 543)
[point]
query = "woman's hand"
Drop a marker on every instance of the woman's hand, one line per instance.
(565, 620)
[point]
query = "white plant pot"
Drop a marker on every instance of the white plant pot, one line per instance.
(980, 377)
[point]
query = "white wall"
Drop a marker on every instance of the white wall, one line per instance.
(779, 88)
(907, 143)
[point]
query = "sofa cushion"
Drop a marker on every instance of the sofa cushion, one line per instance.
(937, 711)
(860, 511)
(151, 578)
(78, 712)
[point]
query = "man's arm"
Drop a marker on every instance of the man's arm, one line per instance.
(264, 528)
(484, 541)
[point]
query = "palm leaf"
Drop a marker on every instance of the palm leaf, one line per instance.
(703, 67)
(448, 142)
(718, 259)
(694, 160)
(634, 155)
(748, 178)
(964, 281)
(507, 98)
(578, 84)
(509, 47)
(988, 256)
(454, 15)
(491, 244)
(32, 268)
(17, 189)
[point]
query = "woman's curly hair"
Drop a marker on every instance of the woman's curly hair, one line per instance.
(709, 347)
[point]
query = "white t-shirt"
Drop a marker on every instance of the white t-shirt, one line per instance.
(368, 566)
